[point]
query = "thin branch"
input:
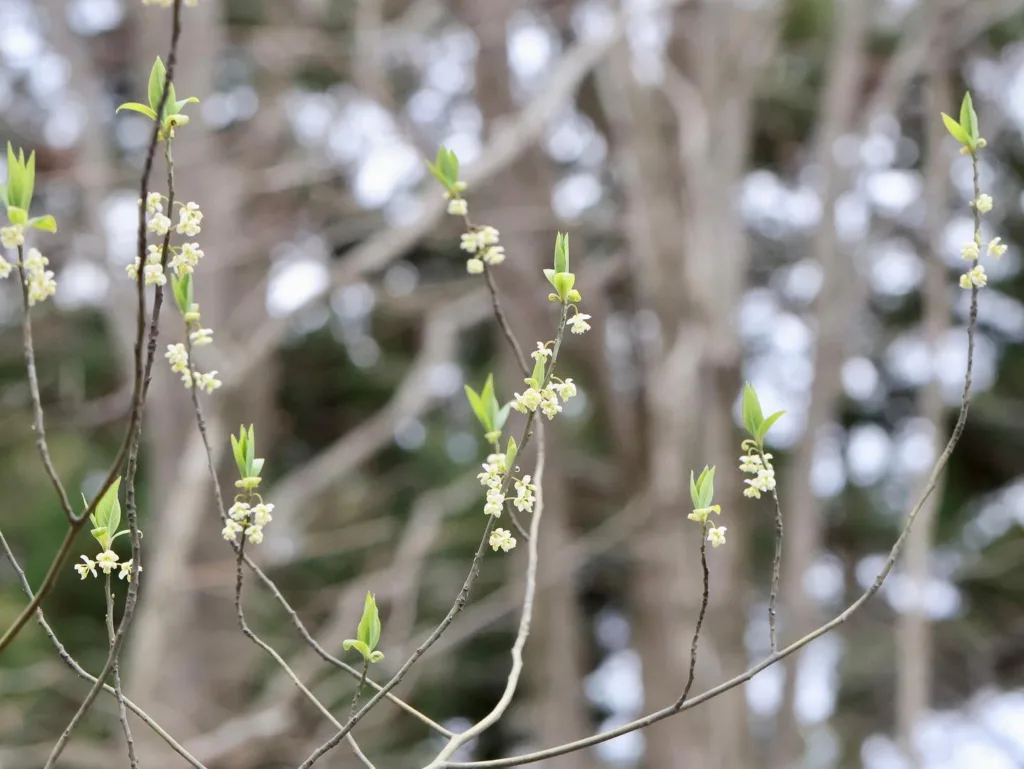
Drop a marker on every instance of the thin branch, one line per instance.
(503, 323)
(122, 714)
(140, 382)
(143, 375)
(33, 386)
(776, 565)
(82, 673)
(700, 617)
(512, 682)
(841, 618)
(474, 571)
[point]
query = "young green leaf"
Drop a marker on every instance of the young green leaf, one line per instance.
(368, 631)
(752, 415)
(17, 214)
(142, 109)
(706, 487)
(250, 451)
(956, 130)
(238, 449)
(28, 181)
(14, 178)
(46, 223)
(477, 405)
(563, 284)
(510, 453)
(694, 492)
(969, 118)
(438, 174)
(157, 77)
(550, 275)
(108, 509)
(562, 252)
(3, 195)
(449, 165)
(766, 425)
(490, 402)
(538, 372)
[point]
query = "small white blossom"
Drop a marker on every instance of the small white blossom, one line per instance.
(565, 389)
(107, 561)
(154, 200)
(494, 255)
(13, 236)
(983, 203)
(501, 539)
(201, 337)
(751, 492)
(474, 266)
(528, 401)
(974, 278)
(524, 494)
(187, 258)
(254, 534)
(488, 236)
(86, 568)
(261, 514)
(762, 484)
(549, 404)
(177, 356)
(579, 323)
(126, 570)
(239, 511)
(498, 460)
(38, 279)
(970, 252)
(208, 382)
(231, 530)
(716, 536)
(5, 268)
(495, 502)
(458, 207)
(469, 242)
(996, 248)
(160, 224)
(542, 351)
(189, 219)
(153, 275)
(750, 463)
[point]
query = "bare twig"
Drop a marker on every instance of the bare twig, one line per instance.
(463, 596)
(143, 374)
(773, 593)
(512, 682)
(82, 673)
(841, 618)
(37, 403)
(692, 674)
(122, 714)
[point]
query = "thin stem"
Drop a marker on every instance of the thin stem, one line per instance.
(143, 376)
(122, 714)
(82, 673)
(525, 619)
(269, 584)
(474, 571)
(33, 386)
(700, 616)
(773, 594)
(774, 657)
(359, 689)
(140, 383)
(248, 633)
(503, 323)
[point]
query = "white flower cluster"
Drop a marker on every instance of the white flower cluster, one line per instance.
(177, 356)
(763, 472)
(248, 520)
(13, 236)
(545, 399)
(106, 562)
(482, 242)
(38, 279)
(494, 477)
(184, 258)
(716, 534)
(503, 539)
(975, 277)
